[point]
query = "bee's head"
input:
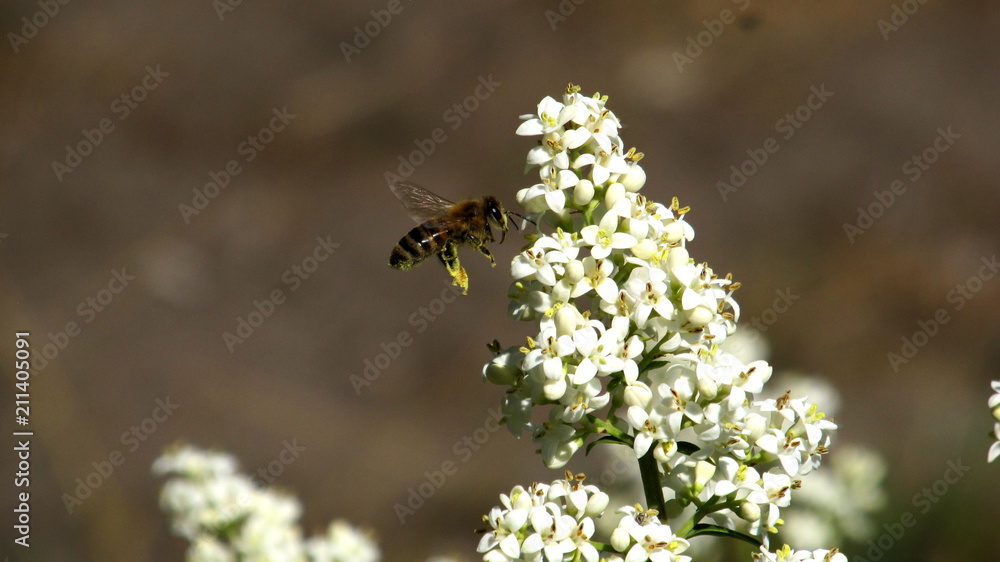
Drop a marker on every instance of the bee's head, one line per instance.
(496, 214)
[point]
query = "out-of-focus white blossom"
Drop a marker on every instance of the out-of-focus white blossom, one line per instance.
(786, 554)
(995, 410)
(228, 518)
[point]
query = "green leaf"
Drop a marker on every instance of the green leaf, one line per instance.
(715, 530)
(608, 439)
(686, 448)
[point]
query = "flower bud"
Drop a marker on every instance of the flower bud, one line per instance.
(574, 272)
(583, 193)
(750, 511)
(500, 372)
(615, 192)
(703, 472)
(596, 505)
(675, 232)
(634, 179)
(620, 539)
(638, 394)
(700, 316)
(677, 257)
(566, 318)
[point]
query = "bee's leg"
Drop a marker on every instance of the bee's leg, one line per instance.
(486, 252)
(449, 257)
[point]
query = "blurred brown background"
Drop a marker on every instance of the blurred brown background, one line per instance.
(322, 176)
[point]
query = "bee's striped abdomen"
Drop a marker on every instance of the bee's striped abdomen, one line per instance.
(420, 243)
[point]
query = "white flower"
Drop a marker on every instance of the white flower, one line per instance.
(541, 197)
(604, 237)
(551, 116)
(558, 441)
(649, 289)
(995, 447)
(649, 539)
(597, 277)
(547, 359)
(786, 554)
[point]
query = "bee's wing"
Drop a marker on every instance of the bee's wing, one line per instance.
(420, 203)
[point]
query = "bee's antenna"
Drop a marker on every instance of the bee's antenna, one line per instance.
(522, 217)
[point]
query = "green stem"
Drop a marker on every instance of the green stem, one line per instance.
(711, 506)
(653, 355)
(608, 428)
(649, 470)
(604, 547)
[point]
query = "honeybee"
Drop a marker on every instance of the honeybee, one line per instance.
(443, 226)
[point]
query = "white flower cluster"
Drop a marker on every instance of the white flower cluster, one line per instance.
(641, 536)
(786, 554)
(629, 332)
(995, 410)
(550, 522)
(555, 522)
(227, 518)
